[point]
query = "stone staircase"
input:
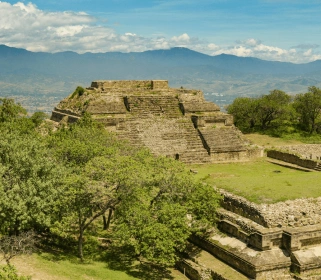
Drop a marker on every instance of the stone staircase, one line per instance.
(247, 245)
(222, 139)
(202, 265)
(127, 131)
(318, 167)
(195, 152)
(157, 105)
(171, 137)
(241, 249)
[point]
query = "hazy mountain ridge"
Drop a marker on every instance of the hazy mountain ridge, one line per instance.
(37, 74)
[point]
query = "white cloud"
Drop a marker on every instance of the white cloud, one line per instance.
(212, 47)
(26, 26)
(67, 31)
(255, 48)
(182, 39)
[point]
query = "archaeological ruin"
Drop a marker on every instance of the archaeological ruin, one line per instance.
(177, 123)
(252, 241)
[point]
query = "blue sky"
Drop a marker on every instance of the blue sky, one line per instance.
(284, 30)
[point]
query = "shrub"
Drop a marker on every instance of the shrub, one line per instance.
(78, 92)
(9, 272)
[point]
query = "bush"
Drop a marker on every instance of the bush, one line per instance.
(9, 272)
(78, 92)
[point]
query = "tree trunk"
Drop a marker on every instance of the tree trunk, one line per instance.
(107, 221)
(110, 214)
(80, 241)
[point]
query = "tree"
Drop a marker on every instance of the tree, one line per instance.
(157, 215)
(84, 199)
(9, 110)
(308, 107)
(244, 111)
(151, 197)
(38, 117)
(249, 113)
(271, 107)
(12, 246)
(29, 182)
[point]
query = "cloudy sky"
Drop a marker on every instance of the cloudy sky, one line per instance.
(284, 30)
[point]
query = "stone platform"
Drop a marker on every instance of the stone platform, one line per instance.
(177, 123)
(266, 241)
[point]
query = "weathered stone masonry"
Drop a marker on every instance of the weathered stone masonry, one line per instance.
(177, 123)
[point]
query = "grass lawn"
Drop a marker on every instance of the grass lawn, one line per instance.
(48, 266)
(260, 181)
(268, 141)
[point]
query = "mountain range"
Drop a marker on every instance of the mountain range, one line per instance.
(39, 80)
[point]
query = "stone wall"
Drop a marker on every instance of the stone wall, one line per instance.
(58, 115)
(196, 272)
(292, 213)
(159, 84)
(125, 84)
(230, 156)
(292, 158)
(305, 151)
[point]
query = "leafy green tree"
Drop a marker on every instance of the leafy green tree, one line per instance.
(157, 215)
(29, 182)
(274, 106)
(156, 203)
(84, 200)
(308, 107)
(261, 112)
(38, 117)
(244, 111)
(9, 110)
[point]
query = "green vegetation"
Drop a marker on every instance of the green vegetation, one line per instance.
(269, 141)
(279, 114)
(79, 184)
(57, 266)
(9, 272)
(261, 181)
(79, 91)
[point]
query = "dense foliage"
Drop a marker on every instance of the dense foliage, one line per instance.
(279, 112)
(62, 184)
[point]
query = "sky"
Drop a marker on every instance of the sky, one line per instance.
(279, 30)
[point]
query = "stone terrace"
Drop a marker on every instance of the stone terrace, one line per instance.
(267, 241)
(165, 120)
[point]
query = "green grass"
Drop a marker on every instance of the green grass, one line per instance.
(260, 181)
(51, 266)
(287, 139)
(269, 141)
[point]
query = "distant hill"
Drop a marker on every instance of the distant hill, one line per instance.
(39, 80)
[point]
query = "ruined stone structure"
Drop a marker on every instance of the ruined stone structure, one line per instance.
(266, 241)
(307, 156)
(177, 123)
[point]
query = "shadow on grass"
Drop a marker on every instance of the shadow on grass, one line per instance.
(116, 258)
(121, 259)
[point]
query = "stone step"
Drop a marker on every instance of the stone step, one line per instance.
(205, 261)
(307, 263)
(318, 167)
(255, 264)
(248, 231)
